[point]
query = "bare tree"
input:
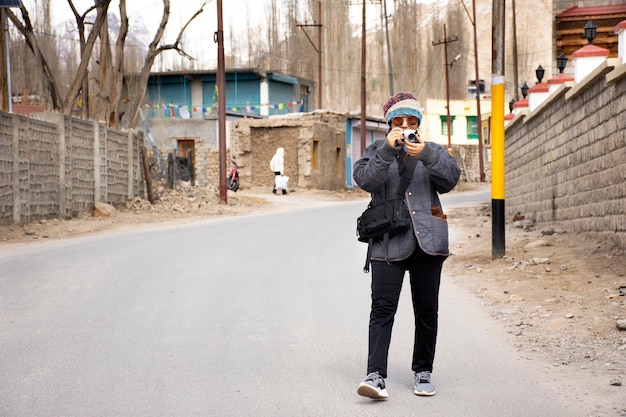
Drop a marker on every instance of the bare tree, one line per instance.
(118, 77)
(102, 7)
(109, 74)
(153, 51)
(80, 23)
(26, 29)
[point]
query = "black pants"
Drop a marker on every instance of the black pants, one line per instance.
(425, 274)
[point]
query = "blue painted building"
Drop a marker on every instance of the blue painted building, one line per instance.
(375, 128)
(193, 94)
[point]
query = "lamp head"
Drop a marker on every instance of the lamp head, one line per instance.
(539, 72)
(590, 31)
(561, 62)
(524, 89)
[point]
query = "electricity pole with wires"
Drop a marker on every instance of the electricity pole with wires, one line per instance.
(363, 74)
(318, 49)
(479, 124)
(446, 40)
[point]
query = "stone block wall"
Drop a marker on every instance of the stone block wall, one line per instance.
(58, 166)
(468, 159)
(207, 168)
(315, 154)
(566, 161)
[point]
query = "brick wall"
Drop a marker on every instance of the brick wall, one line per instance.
(566, 162)
(59, 166)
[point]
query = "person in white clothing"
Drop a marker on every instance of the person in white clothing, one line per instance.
(277, 165)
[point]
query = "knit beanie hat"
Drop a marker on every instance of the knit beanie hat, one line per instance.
(402, 104)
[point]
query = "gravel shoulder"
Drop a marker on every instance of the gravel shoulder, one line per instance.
(561, 297)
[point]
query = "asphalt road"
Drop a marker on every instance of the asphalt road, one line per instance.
(249, 316)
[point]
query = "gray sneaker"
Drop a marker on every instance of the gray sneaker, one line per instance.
(423, 384)
(373, 387)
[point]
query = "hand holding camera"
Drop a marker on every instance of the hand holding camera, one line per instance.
(413, 143)
(410, 135)
(408, 139)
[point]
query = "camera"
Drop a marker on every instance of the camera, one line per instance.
(409, 135)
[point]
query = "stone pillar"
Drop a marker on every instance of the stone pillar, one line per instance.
(96, 162)
(620, 30)
(520, 106)
(131, 162)
(537, 94)
(561, 79)
(587, 59)
(17, 195)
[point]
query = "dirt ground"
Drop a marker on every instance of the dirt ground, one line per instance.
(560, 296)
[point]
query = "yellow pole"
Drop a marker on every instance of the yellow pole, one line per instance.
(497, 128)
(497, 142)
(497, 166)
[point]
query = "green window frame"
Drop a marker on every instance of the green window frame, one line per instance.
(444, 125)
(472, 127)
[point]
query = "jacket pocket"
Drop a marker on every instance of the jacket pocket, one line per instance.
(437, 212)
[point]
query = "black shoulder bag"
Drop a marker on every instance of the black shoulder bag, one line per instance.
(388, 218)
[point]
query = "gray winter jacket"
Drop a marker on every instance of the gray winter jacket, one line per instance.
(436, 172)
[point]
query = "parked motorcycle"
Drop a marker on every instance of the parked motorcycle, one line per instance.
(232, 181)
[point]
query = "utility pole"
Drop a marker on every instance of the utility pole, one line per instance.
(221, 102)
(445, 43)
(515, 73)
(363, 73)
(318, 49)
(4, 71)
(479, 117)
(391, 91)
(497, 129)
(363, 95)
(6, 103)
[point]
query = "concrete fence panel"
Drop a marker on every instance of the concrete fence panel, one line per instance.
(58, 166)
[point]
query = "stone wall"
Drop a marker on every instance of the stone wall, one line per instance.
(207, 168)
(468, 159)
(566, 161)
(315, 150)
(165, 132)
(59, 166)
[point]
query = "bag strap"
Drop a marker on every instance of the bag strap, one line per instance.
(366, 268)
(407, 176)
(405, 180)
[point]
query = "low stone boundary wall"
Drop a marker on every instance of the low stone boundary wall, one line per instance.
(566, 161)
(58, 166)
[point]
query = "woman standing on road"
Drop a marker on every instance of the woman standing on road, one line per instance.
(420, 250)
